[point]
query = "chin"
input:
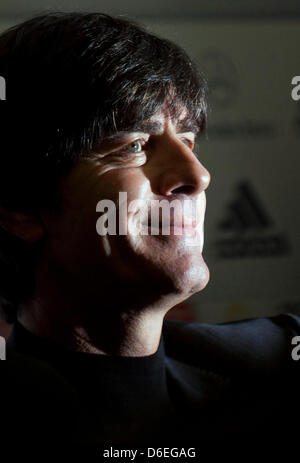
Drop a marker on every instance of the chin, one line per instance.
(169, 265)
(189, 280)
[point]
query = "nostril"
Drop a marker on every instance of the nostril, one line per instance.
(186, 189)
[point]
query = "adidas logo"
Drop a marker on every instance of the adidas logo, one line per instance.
(248, 228)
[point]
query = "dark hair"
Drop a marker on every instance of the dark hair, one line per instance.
(71, 80)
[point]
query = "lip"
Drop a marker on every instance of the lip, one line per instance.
(174, 228)
(188, 234)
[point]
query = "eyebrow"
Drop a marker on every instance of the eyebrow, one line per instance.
(155, 128)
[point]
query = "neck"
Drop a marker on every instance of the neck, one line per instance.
(127, 333)
(123, 321)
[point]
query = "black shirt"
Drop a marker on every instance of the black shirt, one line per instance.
(206, 384)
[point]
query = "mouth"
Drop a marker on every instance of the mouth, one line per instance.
(171, 228)
(181, 221)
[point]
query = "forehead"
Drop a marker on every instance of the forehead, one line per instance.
(163, 115)
(155, 125)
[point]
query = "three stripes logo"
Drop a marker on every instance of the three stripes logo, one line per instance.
(249, 228)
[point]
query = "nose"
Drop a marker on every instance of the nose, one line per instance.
(182, 172)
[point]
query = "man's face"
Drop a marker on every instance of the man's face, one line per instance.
(152, 163)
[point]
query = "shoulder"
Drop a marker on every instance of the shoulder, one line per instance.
(257, 345)
(36, 401)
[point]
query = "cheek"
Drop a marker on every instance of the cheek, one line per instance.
(86, 185)
(92, 180)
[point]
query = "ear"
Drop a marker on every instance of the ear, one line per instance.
(28, 227)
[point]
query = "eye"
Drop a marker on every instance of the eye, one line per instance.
(136, 146)
(187, 141)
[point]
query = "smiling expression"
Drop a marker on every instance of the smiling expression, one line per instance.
(152, 162)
